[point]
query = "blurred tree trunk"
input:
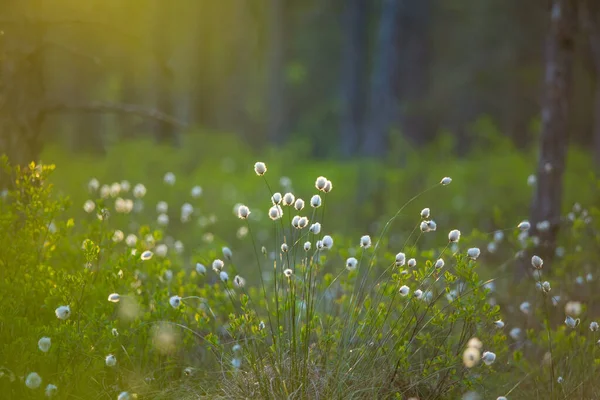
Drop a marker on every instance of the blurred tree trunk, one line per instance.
(383, 107)
(546, 204)
(164, 82)
(22, 88)
(276, 99)
(354, 59)
(590, 15)
(415, 49)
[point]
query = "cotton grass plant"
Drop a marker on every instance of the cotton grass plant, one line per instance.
(114, 303)
(333, 328)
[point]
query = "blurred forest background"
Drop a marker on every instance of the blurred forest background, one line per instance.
(351, 80)
(332, 73)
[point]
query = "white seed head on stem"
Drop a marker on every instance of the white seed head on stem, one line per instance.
(110, 360)
(351, 263)
(260, 168)
(175, 301)
(276, 198)
(63, 312)
(296, 221)
(243, 212)
(471, 357)
(488, 357)
(51, 390)
(425, 213)
(446, 181)
(114, 297)
(327, 242)
(200, 269)
(537, 262)
(404, 290)
(499, 324)
(365, 241)
(288, 272)
(524, 225)
(33, 380)
(315, 201)
(275, 213)
(44, 344)
(315, 228)
(239, 282)
(288, 199)
(299, 204)
(594, 326)
(218, 265)
(284, 248)
(412, 263)
(571, 322)
(307, 246)
(454, 236)
(473, 253)
(400, 259)
(439, 263)
(227, 253)
(302, 223)
(223, 275)
(320, 183)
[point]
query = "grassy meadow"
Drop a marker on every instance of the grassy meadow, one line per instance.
(199, 272)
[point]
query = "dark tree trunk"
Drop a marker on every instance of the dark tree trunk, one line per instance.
(590, 15)
(352, 90)
(546, 204)
(22, 89)
(383, 108)
(164, 132)
(414, 50)
(276, 115)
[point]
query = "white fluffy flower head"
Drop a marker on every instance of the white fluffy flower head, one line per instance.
(299, 204)
(175, 301)
(50, 390)
(223, 275)
(473, 253)
(260, 168)
(63, 312)
(404, 290)
(288, 199)
(315, 201)
(320, 183)
(365, 241)
(454, 236)
(275, 212)
(327, 242)
(44, 344)
(114, 297)
(110, 360)
(218, 265)
(400, 259)
(33, 380)
(351, 263)
(446, 181)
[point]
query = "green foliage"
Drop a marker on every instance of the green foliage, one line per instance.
(325, 330)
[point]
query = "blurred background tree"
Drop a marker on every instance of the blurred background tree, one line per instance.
(368, 79)
(345, 76)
